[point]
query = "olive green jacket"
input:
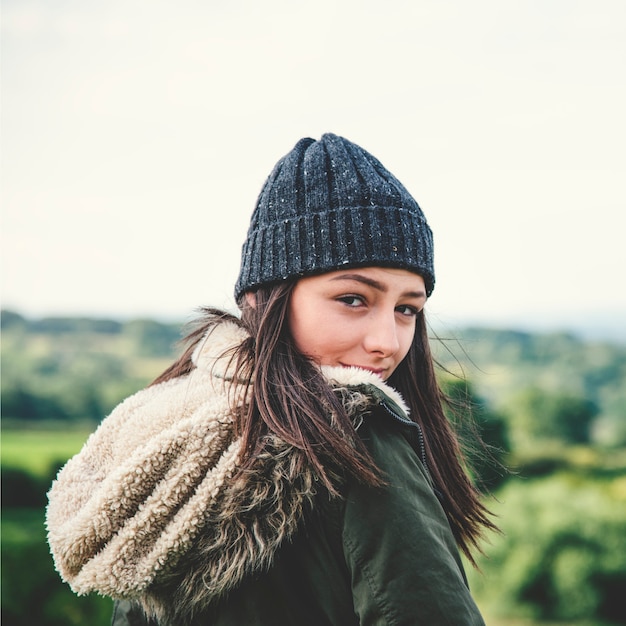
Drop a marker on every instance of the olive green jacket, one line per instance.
(381, 556)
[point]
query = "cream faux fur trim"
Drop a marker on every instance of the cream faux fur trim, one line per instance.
(154, 484)
(212, 352)
(136, 494)
(356, 377)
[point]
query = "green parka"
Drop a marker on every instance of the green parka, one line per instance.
(374, 556)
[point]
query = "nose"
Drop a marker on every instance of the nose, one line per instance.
(381, 337)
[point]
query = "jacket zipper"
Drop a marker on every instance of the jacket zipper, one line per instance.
(420, 436)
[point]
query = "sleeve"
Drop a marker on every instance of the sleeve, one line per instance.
(404, 564)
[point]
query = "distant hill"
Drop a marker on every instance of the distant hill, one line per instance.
(79, 368)
(502, 364)
(594, 326)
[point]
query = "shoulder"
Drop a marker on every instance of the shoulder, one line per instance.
(402, 557)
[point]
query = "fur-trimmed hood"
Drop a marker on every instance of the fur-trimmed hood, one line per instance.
(156, 486)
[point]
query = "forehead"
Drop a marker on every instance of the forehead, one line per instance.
(382, 277)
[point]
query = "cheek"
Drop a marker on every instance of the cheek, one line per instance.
(318, 336)
(305, 332)
(406, 340)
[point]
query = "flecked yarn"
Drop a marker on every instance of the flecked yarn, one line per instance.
(329, 205)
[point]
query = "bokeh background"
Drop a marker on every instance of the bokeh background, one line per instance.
(136, 136)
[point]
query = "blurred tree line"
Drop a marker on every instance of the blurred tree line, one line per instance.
(549, 387)
(550, 408)
(77, 369)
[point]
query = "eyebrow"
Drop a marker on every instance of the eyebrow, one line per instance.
(376, 284)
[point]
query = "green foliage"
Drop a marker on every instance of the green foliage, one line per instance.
(539, 416)
(18, 402)
(502, 364)
(484, 433)
(541, 403)
(21, 489)
(32, 592)
(78, 369)
(31, 460)
(151, 338)
(562, 553)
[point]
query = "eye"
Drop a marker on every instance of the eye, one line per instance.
(408, 311)
(351, 300)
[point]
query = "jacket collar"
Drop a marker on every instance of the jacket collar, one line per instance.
(369, 383)
(213, 353)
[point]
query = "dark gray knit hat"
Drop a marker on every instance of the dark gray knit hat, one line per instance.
(329, 205)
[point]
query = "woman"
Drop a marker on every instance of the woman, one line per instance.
(294, 466)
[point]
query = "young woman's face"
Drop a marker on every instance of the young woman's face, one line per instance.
(361, 317)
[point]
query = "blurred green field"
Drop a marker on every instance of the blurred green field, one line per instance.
(37, 451)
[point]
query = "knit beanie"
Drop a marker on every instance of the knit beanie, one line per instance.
(330, 205)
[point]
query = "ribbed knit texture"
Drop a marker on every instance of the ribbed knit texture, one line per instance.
(328, 205)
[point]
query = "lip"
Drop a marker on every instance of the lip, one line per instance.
(379, 371)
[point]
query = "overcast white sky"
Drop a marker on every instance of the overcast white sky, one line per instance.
(136, 136)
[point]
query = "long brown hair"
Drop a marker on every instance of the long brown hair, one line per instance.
(293, 401)
(415, 378)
